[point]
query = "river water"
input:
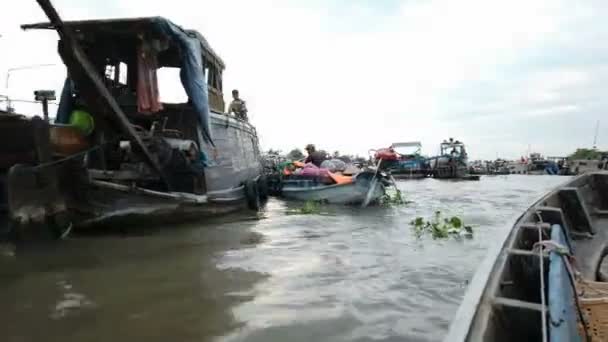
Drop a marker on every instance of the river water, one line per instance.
(345, 274)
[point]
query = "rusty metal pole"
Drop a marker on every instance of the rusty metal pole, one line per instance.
(45, 109)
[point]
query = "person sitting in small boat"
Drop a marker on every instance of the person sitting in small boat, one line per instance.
(237, 106)
(314, 156)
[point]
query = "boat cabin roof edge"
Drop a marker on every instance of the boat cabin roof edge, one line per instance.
(407, 144)
(130, 24)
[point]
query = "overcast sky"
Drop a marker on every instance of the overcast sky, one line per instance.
(353, 75)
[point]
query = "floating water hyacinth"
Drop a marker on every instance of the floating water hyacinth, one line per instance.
(440, 228)
(395, 199)
(309, 207)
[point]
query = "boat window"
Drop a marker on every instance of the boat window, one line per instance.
(170, 87)
(110, 72)
(116, 73)
(122, 73)
(213, 77)
(210, 75)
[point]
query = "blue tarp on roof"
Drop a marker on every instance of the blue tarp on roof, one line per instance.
(191, 72)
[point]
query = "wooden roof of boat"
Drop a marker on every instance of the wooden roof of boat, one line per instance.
(127, 27)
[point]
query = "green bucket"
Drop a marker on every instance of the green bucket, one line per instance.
(83, 121)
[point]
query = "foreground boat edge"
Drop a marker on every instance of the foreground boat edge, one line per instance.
(471, 304)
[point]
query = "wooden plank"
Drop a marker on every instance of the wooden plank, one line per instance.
(502, 301)
(177, 196)
(118, 175)
(600, 212)
(74, 47)
(523, 252)
(576, 209)
(544, 226)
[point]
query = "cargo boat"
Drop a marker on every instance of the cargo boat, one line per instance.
(451, 163)
(165, 162)
(410, 163)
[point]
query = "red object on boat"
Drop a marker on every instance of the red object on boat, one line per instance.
(386, 154)
(147, 82)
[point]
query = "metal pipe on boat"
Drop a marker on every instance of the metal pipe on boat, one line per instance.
(179, 196)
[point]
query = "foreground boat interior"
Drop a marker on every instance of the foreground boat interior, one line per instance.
(544, 280)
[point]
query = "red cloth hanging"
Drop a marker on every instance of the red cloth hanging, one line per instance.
(147, 83)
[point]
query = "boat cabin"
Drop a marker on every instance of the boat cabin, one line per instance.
(453, 148)
(408, 149)
(124, 55)
(122, 51)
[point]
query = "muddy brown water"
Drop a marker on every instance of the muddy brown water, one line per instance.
(347, 274)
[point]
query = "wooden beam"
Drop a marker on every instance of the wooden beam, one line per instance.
(177, 196)
(516, 303)
(75, 49)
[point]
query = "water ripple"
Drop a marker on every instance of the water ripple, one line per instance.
(367, 273)
(350, 275)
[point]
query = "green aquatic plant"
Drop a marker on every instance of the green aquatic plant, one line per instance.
(439, 227)
(309, 207)
(396, 198)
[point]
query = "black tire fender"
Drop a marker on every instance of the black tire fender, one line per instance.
(252, 195)
(263, 187)
(60, 225)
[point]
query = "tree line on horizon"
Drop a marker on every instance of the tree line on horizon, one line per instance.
(588, 154)
(298, 154)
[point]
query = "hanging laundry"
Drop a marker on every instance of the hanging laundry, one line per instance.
(147, 82)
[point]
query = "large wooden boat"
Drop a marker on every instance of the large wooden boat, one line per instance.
(169, 163)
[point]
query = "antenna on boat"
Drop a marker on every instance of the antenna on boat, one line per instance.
(597, 127)
(9, 107)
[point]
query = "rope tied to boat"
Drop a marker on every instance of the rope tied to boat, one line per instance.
(540, 221)
(552, 246)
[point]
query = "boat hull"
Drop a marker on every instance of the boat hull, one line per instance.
(415, 168)
(110, 207)
(409, 175)
(236, 157)
(352, 193)
(66, 195)
(516, 297)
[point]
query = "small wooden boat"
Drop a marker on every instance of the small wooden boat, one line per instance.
(545, 279)
(367, 186)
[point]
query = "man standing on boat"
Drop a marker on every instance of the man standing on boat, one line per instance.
(314, 156)
(237, 106)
